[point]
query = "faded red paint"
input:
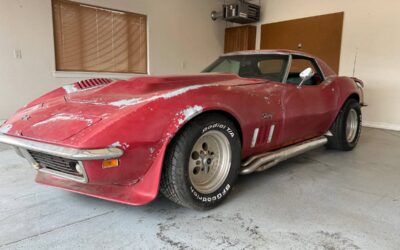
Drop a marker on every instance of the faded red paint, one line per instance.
(98, 118)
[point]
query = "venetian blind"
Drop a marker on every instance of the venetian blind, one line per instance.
(94, 39)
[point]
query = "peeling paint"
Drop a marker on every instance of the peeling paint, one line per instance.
(33, 108)
(188, 113)
(174, 93)
(69, 89)
(127, 102)
(90, 102)
(64, 117)
(115, 144)
(6, 128)
(267, 99)
(183, 90)
(118, 144)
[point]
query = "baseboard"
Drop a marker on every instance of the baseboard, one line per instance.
(382, 125)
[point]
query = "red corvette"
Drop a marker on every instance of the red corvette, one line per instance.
(189, 136)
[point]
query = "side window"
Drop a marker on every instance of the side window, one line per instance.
(268, 67)
(273, 66)
(298, 65)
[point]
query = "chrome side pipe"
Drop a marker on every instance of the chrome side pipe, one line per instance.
(264, 161)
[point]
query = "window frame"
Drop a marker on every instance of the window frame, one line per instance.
(304, 57)
(106, 74)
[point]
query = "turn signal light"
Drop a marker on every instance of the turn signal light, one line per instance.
(112, 163)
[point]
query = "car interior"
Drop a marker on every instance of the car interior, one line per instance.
(298, 65)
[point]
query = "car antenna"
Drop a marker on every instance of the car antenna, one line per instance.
(355, 62)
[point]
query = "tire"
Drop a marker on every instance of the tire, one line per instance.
(346, 129)
(202, 163)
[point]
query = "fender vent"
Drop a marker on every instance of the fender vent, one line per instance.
(91, 83)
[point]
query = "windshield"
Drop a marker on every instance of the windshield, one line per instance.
(268, 67)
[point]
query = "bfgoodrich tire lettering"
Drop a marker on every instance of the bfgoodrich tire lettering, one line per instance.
(189, 161)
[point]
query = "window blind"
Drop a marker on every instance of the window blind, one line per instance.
(95, 39)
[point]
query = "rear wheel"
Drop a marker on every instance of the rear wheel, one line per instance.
(202, 163)
(347, 127)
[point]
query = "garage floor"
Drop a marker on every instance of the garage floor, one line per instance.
(321, 200)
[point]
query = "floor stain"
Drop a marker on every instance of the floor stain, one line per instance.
(235, 232)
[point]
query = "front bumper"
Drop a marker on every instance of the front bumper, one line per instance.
(103, 185)
(64, 152)
(26, 148)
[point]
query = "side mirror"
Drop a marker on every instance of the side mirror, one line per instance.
(306, 75)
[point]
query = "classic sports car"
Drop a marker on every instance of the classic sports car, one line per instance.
(189, 136)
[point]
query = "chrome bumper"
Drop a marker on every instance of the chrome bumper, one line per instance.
(22, 146)
(64, 152)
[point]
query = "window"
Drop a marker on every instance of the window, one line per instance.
(94, 39)
(268, 67)
(230, 66)
(298, 65)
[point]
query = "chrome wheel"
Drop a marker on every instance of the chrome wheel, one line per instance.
(210, 162)
(352, 125)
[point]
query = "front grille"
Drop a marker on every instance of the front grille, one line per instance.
(56, 163)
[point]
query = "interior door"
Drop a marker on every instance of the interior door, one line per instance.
(240, 38)
(308, 109)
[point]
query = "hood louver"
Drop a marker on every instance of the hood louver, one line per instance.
(91, 83)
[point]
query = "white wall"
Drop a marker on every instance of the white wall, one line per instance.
(182, 39)
(371, 28)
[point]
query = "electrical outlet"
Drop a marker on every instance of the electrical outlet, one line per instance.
(18, 53)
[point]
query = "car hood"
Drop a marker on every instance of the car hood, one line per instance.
(72, 111)
(143, 89)
(53, 121)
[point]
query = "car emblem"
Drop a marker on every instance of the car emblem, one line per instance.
(25, 117)
(266, 116)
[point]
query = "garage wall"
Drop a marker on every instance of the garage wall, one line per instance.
(370, 31)
(182, 39)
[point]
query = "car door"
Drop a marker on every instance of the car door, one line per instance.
(266, 98)
(307, 110)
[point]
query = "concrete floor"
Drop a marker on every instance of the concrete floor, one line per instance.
(320, 200)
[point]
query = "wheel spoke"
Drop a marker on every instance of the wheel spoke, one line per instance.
(210, 162)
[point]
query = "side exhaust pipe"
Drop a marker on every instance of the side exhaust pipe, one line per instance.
(264, 161)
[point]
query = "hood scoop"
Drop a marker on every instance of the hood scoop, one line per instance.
(91, 83)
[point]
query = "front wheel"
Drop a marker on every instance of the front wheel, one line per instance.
(347, 127)
(202, 163)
